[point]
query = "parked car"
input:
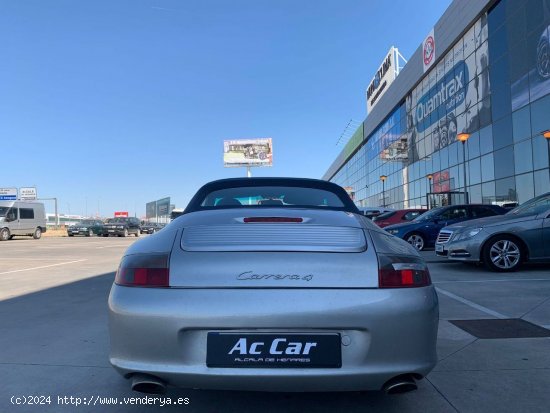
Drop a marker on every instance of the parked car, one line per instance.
(22, 218)
(122, 226)
(87, 228)
(371, 212)
(504, 242)
(151, 227)
(397, 217)
(305, 295)
(422, 231)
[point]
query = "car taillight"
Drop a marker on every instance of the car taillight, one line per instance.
(143, 270)
(271, 219)
(399, 272)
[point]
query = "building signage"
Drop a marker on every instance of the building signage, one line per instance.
(446, 95)
(452, 97)
(382, 79)
(27, 194)
(8, 194)
(248, 152)
(121, 214)
(428, 51)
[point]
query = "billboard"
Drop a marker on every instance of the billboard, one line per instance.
(151, 209)
(27, 194)
(163, 207)
(8, 194)
(121, 214)
(247, 152)
(382, 80)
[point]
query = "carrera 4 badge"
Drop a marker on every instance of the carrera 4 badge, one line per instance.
(250, 275)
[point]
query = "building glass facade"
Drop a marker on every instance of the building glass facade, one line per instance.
(494, 84)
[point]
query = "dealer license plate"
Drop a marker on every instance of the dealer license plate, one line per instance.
(285, 350)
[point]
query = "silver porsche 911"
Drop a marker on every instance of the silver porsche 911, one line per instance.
(273, 284)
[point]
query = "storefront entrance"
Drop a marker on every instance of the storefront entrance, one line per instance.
(437, 199)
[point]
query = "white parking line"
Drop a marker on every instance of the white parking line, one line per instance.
(42, 266)
(492, 281)
(471, 304)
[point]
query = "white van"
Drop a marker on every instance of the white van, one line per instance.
(21, 218)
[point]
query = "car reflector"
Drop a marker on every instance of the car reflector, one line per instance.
(143, 270)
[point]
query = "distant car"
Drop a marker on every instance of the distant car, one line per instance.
(305, 295)
(504, 242)
(422, 231)
(86, 228)
(371, 212)
(122, 226)
(151, 227)
(397, 217)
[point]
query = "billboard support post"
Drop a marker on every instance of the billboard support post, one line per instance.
(248, 172)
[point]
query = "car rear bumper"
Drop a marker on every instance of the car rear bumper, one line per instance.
(384, 333)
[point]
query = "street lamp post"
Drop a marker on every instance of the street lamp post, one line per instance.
(463, 137)
(383, 179)
(546, 134)
(430, 177)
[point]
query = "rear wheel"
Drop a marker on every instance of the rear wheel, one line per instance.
(416, 240)
(503, 254)
(125, 234)
(89, 233)
(138, 233)
(4, 234)
(71, 235)
(105, 235)
(37, 233)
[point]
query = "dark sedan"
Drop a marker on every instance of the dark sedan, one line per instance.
(151, 227)
(86, 228)
(422, 231)
(502, 243)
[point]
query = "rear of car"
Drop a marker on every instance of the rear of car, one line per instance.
(122, 227)
(397, 217)
(306, 295)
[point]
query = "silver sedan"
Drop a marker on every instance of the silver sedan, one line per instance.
(503, 242)
(273, 284)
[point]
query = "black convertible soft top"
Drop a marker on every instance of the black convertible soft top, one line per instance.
(196, 203)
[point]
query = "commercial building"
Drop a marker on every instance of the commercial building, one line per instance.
(484, 70)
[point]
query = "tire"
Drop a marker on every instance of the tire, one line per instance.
(90, 233)
(416, 240)
(70, 235)
(138, 233)
(503, 254)
(37, 233)
(105, 235)
(125, 234)
(5, 234)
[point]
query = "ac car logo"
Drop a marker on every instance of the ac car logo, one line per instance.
(277, 346)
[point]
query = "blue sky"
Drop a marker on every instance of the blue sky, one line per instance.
(111, 104)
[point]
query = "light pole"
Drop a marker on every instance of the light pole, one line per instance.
(383, 179)
(463, 137)
(430, 177)
(546, 134)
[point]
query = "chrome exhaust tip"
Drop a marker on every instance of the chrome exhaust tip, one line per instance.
(145, 383)
(400, 384)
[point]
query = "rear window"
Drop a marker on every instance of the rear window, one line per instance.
(384, 216)
(271, 193)
(279, 196)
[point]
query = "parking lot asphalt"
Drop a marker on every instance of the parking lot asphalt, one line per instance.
(54, 342)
